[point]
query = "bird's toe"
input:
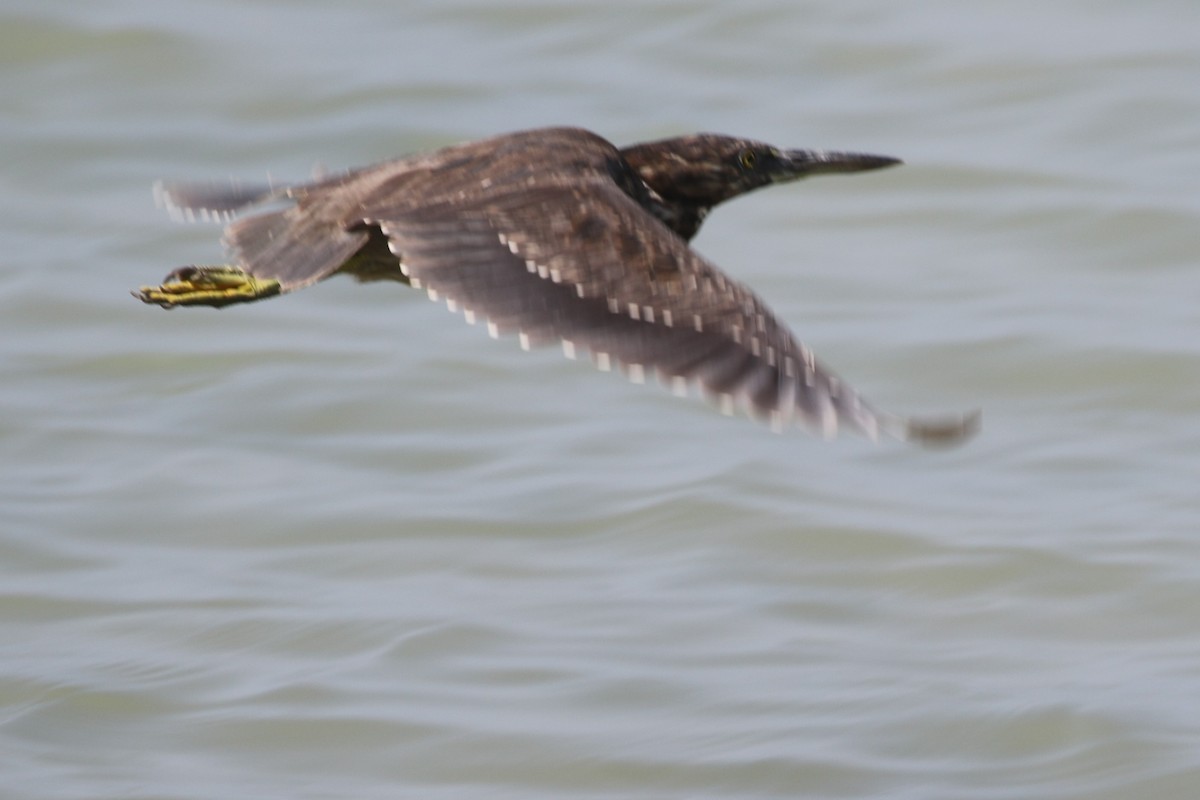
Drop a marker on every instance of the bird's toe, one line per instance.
(217, 286)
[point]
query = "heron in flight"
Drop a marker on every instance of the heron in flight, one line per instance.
(555, 236)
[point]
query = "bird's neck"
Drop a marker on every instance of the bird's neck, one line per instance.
(684, 219)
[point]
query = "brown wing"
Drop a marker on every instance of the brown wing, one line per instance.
(585, 265)
(318, 232)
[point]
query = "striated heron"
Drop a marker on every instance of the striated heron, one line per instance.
(555, 235)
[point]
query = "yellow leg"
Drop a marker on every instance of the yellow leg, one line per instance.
(208, 286)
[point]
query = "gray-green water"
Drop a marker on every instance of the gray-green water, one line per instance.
(340, 545)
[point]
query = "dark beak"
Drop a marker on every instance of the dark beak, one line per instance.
(799, 163)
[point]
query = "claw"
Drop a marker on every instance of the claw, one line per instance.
(208, 286)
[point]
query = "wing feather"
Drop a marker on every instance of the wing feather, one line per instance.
(616, 282)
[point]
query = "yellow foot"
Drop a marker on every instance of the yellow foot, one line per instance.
(208, 286)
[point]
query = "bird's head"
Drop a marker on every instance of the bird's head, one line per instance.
(691, 174)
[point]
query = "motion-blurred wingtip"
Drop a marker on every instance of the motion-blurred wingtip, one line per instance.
(943, 431)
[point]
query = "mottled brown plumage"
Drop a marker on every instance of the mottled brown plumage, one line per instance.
(555, 235)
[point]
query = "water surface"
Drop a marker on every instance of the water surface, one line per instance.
(340, 545)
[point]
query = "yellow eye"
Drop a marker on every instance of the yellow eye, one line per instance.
(748, 158)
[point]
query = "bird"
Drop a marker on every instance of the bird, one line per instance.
(555, 235)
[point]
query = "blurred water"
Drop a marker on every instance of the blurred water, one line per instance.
(341, 545)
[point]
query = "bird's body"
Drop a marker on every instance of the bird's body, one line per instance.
(555, 235)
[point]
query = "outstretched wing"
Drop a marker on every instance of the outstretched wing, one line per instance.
(319, 230)
(213, 201)
(586, 266)
(509, 159)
